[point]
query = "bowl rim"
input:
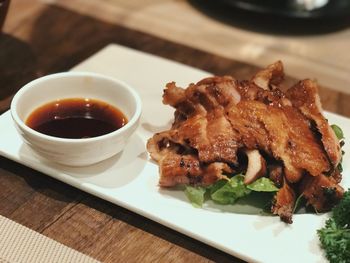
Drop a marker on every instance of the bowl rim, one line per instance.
(134, 118)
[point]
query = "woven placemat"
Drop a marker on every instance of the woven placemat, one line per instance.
(21, 244)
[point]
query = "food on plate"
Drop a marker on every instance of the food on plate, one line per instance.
(232, 137)
(335, 235)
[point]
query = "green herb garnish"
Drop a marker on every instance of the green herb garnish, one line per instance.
(338, 131)
(231, 191)
(335, 235)
(263, 184)
(340, 135)
(195, 195)
(228, 191)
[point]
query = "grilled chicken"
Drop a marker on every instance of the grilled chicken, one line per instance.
(256, 167)
(284, 202)
(219, 119)
(304, 96)
(322, 192)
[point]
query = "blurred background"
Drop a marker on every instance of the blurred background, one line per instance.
(312, 37)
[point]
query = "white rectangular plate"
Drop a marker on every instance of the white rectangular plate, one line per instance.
(130, 178)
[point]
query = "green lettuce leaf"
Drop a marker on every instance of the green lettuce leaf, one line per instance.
(338, 131)
(195, 195)
(216, 186)
(263, 184)
(229, 192)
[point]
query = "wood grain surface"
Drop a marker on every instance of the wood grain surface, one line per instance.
(317, 48)
(40, 39)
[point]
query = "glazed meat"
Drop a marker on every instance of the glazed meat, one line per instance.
(223, 126)
(284, 202)
(304, 96)
(322, 192)
(295, 144)
(186, 168)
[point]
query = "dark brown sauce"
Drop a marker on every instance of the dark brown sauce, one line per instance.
(76, 118)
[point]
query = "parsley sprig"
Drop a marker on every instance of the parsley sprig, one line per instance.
(335, 235)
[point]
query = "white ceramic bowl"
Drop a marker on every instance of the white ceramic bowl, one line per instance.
(76, 152)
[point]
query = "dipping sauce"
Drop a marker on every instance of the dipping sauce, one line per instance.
(76, 118)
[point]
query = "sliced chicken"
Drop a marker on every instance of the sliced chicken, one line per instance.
(282, 132)
(304, 96)
(322, 192)
(275, 173)
(178, 169)
(272, 75)
(284, 203)
(223, 126)
(256, 166)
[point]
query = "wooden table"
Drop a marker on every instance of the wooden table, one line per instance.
(42, 38)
